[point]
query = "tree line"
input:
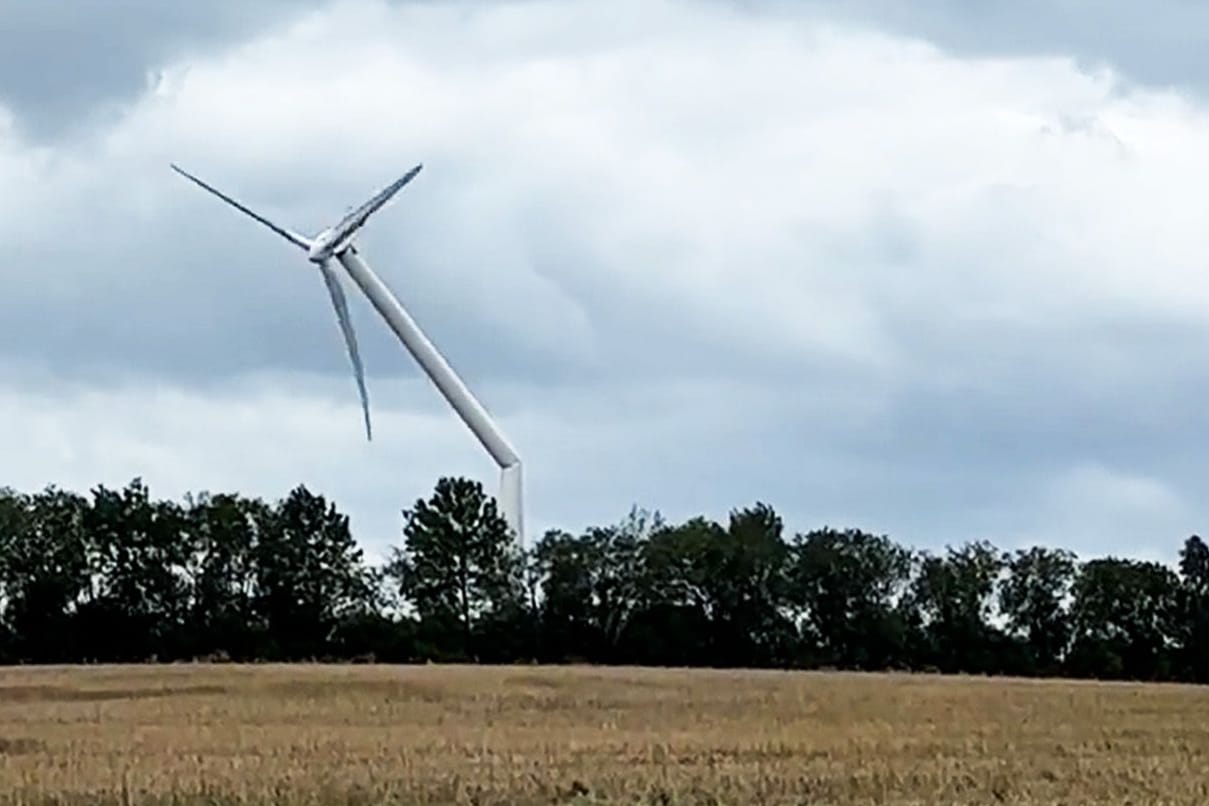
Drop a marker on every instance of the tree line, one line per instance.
(119, 576)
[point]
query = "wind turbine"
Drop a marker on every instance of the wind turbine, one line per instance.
(337, 242)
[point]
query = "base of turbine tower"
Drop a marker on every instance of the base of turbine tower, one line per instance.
(511, 505)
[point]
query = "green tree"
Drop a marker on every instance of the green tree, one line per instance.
(47, 575)
(590, 587)
(752, 625)
(14, 532)
(847, 585)
(720, 591)
(137, 556)
(679, 595)
(1194, 635)
(222, 573)
(1125, 619)
(1033, 597)
(310, 575)
(953, 600)
(566, 566)
(461, 570)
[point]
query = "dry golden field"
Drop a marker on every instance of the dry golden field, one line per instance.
(521, 735)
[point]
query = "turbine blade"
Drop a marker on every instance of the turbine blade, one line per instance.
(355, 219)
(350, 339)
(290, 236)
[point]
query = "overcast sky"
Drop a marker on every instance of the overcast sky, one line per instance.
(938, 270)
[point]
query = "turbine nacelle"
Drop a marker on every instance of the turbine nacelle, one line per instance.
(332, 242)
(323, 247)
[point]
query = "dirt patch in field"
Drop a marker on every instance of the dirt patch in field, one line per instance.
(389, 690)
(20, 746)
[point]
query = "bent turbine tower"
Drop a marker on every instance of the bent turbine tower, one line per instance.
(337, 242)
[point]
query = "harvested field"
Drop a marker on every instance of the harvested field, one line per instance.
(531, 735)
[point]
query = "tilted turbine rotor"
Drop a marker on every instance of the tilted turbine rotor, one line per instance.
(336, 242)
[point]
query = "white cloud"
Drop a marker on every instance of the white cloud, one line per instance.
(658, 237)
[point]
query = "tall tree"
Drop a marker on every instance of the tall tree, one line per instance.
(566, 566)
(460, 568)
(1125, 619)
(1194, 635)
(225, 530)
(753, 626)
(953, 596)
(848, 585)
(138, 553)
(720, 591)
(310, 574)
(680, 595)
(590, 586)
(47, 574)
(1033, 597)
(14, 531)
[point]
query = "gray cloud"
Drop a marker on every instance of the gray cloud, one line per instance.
(1159, 44)
(63, 62)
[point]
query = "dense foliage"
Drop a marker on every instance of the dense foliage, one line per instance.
(120, 576)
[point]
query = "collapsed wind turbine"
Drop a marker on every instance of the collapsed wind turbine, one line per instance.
(337, 242)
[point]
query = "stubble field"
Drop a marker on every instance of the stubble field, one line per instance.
(520, 735)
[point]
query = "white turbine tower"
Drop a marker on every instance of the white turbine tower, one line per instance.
(337, 242)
